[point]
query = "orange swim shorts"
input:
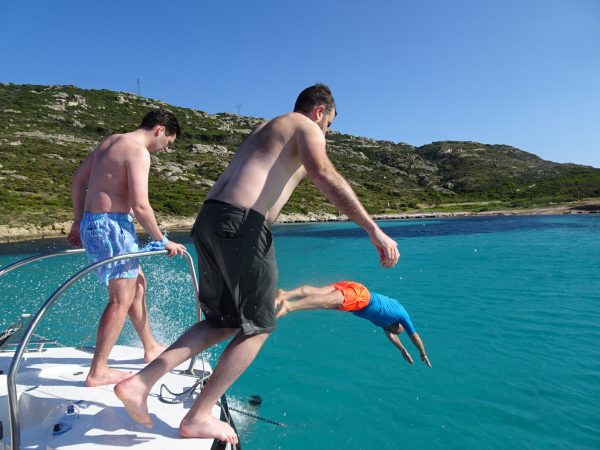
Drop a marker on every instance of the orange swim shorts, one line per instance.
(356, 296)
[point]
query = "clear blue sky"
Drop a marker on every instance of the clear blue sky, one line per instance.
(519, 72)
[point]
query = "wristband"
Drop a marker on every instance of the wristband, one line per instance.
(153, 246)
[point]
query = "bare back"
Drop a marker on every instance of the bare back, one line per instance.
(108, 187)
(267, 167)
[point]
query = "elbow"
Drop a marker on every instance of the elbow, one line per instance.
(140, 209)
(322, 177)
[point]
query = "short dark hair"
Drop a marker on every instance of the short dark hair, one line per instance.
(318, 94)
(164, 118)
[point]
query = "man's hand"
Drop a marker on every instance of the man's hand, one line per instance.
(174, 249)
(407, 356)
(386, 247)
(74, 238)
(425, 359)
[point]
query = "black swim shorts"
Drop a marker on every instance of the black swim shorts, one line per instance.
(236, 267)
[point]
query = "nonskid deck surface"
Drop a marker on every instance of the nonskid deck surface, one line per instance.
(49, 381)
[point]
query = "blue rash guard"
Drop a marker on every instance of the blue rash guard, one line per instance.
(384, 311)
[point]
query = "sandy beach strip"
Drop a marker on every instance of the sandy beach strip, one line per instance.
(31, 231)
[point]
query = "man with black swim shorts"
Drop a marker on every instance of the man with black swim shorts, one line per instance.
(236, 261)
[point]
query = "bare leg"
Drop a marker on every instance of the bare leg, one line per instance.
(303, 291)
(138, 314)
(134, 391)
(235, 359)
(282, 296)
(121, 293)
(330, 299)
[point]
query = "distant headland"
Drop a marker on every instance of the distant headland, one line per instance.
(45, 131)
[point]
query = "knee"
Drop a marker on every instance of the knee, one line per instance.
(122, 299)
(140, 286)
(120, 303)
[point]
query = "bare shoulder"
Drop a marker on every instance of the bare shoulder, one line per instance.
(127, 140)
(259, 127)
(132, 147)
(300, 121)
(300, 125)
(309, 134)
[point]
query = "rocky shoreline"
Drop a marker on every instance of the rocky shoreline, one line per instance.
(29, 231)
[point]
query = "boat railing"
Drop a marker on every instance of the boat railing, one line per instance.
(39, 257)
(13, 404)
(10, 338)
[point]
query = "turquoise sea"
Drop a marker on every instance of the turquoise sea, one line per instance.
(508, 309)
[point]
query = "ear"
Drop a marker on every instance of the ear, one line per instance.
(158, 129)
(318, 112)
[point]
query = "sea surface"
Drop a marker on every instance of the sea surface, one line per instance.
(508, 309)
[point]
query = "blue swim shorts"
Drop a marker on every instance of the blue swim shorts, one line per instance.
(110, 234)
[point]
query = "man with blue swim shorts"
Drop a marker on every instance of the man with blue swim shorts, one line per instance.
(353, 297)
(110, 186)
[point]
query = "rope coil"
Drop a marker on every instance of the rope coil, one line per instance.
(201, 382)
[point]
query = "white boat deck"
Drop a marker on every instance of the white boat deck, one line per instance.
(49, 381)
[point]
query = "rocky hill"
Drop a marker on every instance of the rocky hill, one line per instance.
(45, 131)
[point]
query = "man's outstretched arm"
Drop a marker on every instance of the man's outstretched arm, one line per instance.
(416, 339)
(396, 341)
(320, 169)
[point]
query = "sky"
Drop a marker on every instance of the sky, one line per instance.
(524, 73)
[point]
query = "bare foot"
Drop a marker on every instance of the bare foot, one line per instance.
(134, 394)
(153, 353)
(280, 295)
(111, 376)
(208, 428)
(281, 309)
